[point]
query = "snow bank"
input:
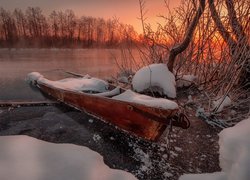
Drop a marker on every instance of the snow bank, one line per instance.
(75, 84)
(26, 158)
(235, 151)
(186, 80)
(130, 96)
(155, 75)
(206, 176)
(221, 103)
(234, 155)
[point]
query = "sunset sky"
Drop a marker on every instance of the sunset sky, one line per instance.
(126, 10)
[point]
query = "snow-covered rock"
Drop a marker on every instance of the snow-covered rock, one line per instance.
(130, 96)
(221, 103)
(234, 155)
(85, 83)
(186, 80)
(155, 75)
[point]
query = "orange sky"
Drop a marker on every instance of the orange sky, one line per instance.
(126, 10)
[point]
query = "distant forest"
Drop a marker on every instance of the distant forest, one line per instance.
(60, 29)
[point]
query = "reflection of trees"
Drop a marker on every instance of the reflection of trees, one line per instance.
(60, 29)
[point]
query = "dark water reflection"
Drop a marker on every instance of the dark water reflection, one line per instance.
(16, 64)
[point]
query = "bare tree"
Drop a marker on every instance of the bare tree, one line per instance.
(237, 40)
(54, 24)
(8, 26)
(188, 37)
(20, 22)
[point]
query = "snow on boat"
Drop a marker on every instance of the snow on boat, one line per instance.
(137, 114)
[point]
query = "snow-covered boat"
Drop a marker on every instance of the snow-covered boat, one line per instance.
(137, 114)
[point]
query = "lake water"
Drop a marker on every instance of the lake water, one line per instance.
(16, 64)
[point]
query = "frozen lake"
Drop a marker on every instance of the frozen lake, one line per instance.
(16, 64)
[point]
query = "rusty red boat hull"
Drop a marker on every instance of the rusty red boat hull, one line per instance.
(139, 120)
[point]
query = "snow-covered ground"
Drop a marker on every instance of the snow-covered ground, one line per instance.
(155, 75)
(234, 155)
(26, 158)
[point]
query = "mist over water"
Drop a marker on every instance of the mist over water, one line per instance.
(15, 64)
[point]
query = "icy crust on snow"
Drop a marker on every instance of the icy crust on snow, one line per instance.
(130, 96)
(221, 103)
(234, 155)
(155, 75)
(26, 158)
(85, 83)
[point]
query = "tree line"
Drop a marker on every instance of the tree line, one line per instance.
(31, 28)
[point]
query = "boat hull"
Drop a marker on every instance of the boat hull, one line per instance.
(139, 120)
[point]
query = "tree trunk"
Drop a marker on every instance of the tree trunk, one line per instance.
(188, 37)
(239, 48)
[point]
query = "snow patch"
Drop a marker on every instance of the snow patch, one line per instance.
(178, 149)
(190, 100)
(155, 75)
(146, 162)
(33, 77)
(96, 137)
(110, 93)
(167, 175)
(186, 80)
(130, 96)
(213, 176)
(123, 79)
(221, 103)
(234, 155)
(199, 112)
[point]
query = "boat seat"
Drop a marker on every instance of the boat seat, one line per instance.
(111, 93)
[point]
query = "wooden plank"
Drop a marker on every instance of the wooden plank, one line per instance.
(27, 103)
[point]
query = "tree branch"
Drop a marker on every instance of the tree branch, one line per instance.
(188, 37)
(234, 22)
(224, 33)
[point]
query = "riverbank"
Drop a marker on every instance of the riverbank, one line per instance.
(191, 151)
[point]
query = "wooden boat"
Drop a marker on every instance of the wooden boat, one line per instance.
(136, 119)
